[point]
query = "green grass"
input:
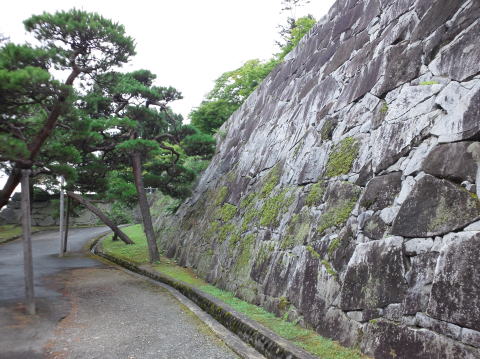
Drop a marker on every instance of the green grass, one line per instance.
(305, 338)
(10, 231)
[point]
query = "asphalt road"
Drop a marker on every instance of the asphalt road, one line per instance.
(88, 309)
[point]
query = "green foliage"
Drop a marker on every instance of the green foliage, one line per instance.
(315, 195)
(341, 158)
(200, 144)
(120, 214)
(211, 114)
(232, 88)
(248, 218)
(97, 42)
(298, 30)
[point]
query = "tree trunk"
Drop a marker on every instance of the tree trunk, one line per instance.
(27, 242)
(100, 215)
(62, 216)
(67, 224)
(144, 208)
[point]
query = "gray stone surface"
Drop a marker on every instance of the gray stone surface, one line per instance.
(435, 207)
(455, 295)
(452, 161)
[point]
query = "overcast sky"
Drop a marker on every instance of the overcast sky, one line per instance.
(186, 43)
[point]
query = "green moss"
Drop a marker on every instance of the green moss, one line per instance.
(384, 108)
(333, 246)
(336, 216)
(315, 195)
(271, 182)
(273, 207)
(327, 129)
(227, 212)
(231, 176)
(248, 200)
(304, 338)
(235, 238)
(329, 268)
(341, 158)
(313, 252)
(241, 264)
(220, 195)
(248, 217)
(283, 303)
(225, 230)
(428, 83)
(297, 231)
(212, 230)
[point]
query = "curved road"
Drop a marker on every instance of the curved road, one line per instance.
(88, 309)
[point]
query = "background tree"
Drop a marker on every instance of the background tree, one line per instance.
(85, 45)
(138, 137)
(233, 87)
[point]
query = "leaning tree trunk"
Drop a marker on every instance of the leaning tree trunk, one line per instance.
(101, 216)
(144, 208)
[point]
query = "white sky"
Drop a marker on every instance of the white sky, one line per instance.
(186, 43)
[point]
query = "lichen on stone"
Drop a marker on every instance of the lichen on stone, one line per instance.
(341, 158)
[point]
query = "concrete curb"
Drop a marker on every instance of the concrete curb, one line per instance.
(262, 339)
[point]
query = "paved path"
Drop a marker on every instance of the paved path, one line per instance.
(87, 309)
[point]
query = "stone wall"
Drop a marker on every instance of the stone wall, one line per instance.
(344, 193)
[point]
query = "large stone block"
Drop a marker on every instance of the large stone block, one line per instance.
(435, 207)
(381, 191)
(455, 296)
(375, 276)
(452, 161)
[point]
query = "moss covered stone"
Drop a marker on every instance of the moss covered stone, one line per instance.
(227, 212)
(220, 195)
(273, 207)
(329, 268)
(315, 195)
(328, 127)
(341, 158)
(333, 246)
(297, 231)
(271, 182)
(313, 252)
(336, 215)
(243, 259)
(248, 200)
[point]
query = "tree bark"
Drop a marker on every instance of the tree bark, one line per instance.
(67, 224)
(101, 216)
(144, 208)
(27, 242)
